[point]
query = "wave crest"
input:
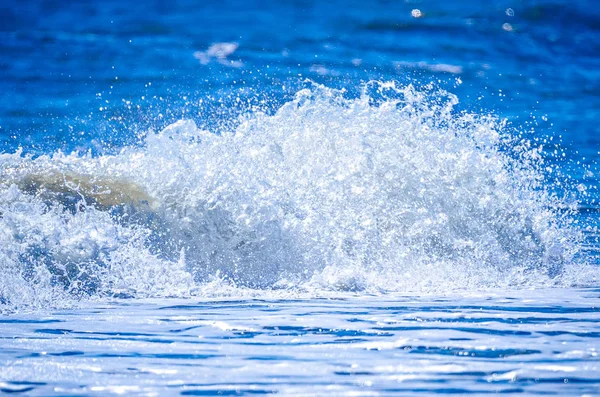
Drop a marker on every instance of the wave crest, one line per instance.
(393, 190)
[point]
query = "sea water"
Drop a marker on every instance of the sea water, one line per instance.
(302, 198)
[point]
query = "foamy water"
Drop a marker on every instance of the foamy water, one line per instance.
(389, 191)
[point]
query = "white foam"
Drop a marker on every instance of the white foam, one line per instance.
(391, 191)
(220, 53)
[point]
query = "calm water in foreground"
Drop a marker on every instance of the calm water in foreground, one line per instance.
(532, 342)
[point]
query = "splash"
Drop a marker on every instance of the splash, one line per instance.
(393, 190)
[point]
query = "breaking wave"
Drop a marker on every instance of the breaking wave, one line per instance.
(390, 191)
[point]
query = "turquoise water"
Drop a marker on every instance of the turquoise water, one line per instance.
(302, 198)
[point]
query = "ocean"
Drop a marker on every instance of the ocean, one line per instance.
(301, 198)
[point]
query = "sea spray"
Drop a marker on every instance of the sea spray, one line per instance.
(392, 190)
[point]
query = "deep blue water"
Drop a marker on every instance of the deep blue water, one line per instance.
(60, 64)
(299, 197)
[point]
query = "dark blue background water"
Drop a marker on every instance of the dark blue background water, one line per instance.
(536, 62)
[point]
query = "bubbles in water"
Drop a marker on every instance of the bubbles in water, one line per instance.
(393, 190)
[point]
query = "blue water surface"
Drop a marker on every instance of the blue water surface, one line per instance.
(61, 64)
(262, 266)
